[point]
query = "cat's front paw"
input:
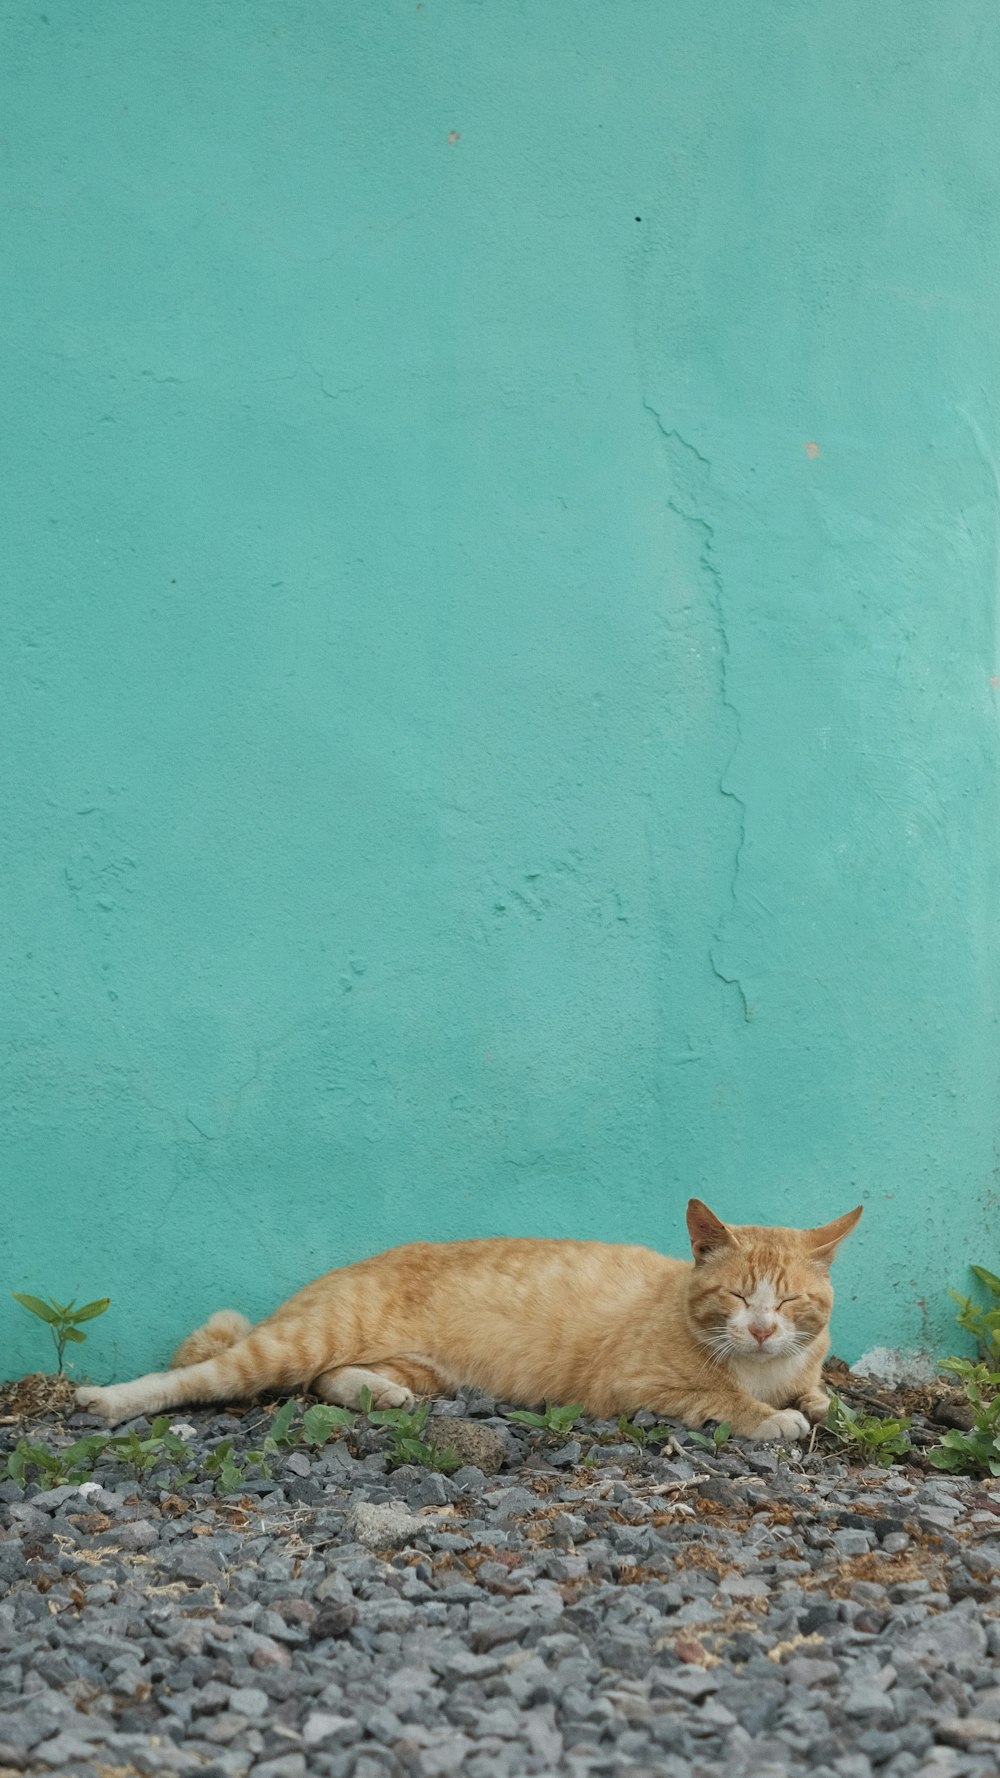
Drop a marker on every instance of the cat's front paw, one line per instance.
(113, 1403)
(93, 1401)
(815, 1407)
(787, 1423)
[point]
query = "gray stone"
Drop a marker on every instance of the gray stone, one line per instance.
(387, 1526)
(323, 1725)
(967, 1731)
(953, 1635)
(852, 1542)
(250, 1701)
(195, 1566)
(687, 1682)
(481, 1447)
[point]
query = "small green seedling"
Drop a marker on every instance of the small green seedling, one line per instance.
(983, 1324)
(634, 1434)
(407, 1442)
(556, 1418)
(630, 1432)
(74, 1463)
(976, 1451)
(141, 1454)
(62, 1319)
(228, 1469)
(714, 1440)
(882, 1440)
(319, 1423)
(279, 1429)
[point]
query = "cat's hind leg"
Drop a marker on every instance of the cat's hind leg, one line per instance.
(394, 1384)
(343, 1388)
(264, 1359)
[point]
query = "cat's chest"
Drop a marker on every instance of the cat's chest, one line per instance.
(774, 1381)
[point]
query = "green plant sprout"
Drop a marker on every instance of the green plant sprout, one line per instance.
(712, 1441)
(55, 1468)
(407, 1442)
(62, 1319)
(320, 1422)
(881, 1440)
(556, 1418)
(978, 1450)
(982, 1323)
(141, 1454)
(634, 1434)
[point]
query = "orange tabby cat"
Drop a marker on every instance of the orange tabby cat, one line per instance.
(739, 1334)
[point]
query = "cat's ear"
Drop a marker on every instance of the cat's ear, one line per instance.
(822, 1243)
(707, 1233)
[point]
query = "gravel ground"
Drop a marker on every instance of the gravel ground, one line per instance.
(551, 1607)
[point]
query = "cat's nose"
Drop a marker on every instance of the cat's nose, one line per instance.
(761, 1334)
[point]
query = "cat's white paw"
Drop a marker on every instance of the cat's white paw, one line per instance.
(786, 1423)
(94, 1401)
(393, 1395)
(118, 1401)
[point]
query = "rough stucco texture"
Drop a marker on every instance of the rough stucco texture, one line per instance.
(499, 693)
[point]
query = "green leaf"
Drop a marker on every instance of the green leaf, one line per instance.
(366, 1400)
(320, 1422)
(525, 1419)
(562, 1417)
(230, 1475)
(73, 1334)
(282, 1421)
(89, 1310)
(627, 1429)
(990, 1279)
(87, 1448)
(37, 1307)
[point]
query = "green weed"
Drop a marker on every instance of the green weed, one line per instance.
(556, 1418)
(976, 1451)
(982, 1323)
(407, 1444)
(634, 1434)
(319, 1423)
(712, 1441)
(142, 1454)
(879, 1439)
(55, 1468)
(62, 1319)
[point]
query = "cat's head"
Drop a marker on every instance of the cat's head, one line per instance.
(759, 1293)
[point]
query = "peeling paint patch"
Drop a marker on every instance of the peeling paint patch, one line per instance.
(891, 1364)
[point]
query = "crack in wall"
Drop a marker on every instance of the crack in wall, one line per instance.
(687, 471)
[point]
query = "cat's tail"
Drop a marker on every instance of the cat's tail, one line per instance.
(220, 1331)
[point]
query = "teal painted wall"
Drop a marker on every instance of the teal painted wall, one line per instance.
(499, 706)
